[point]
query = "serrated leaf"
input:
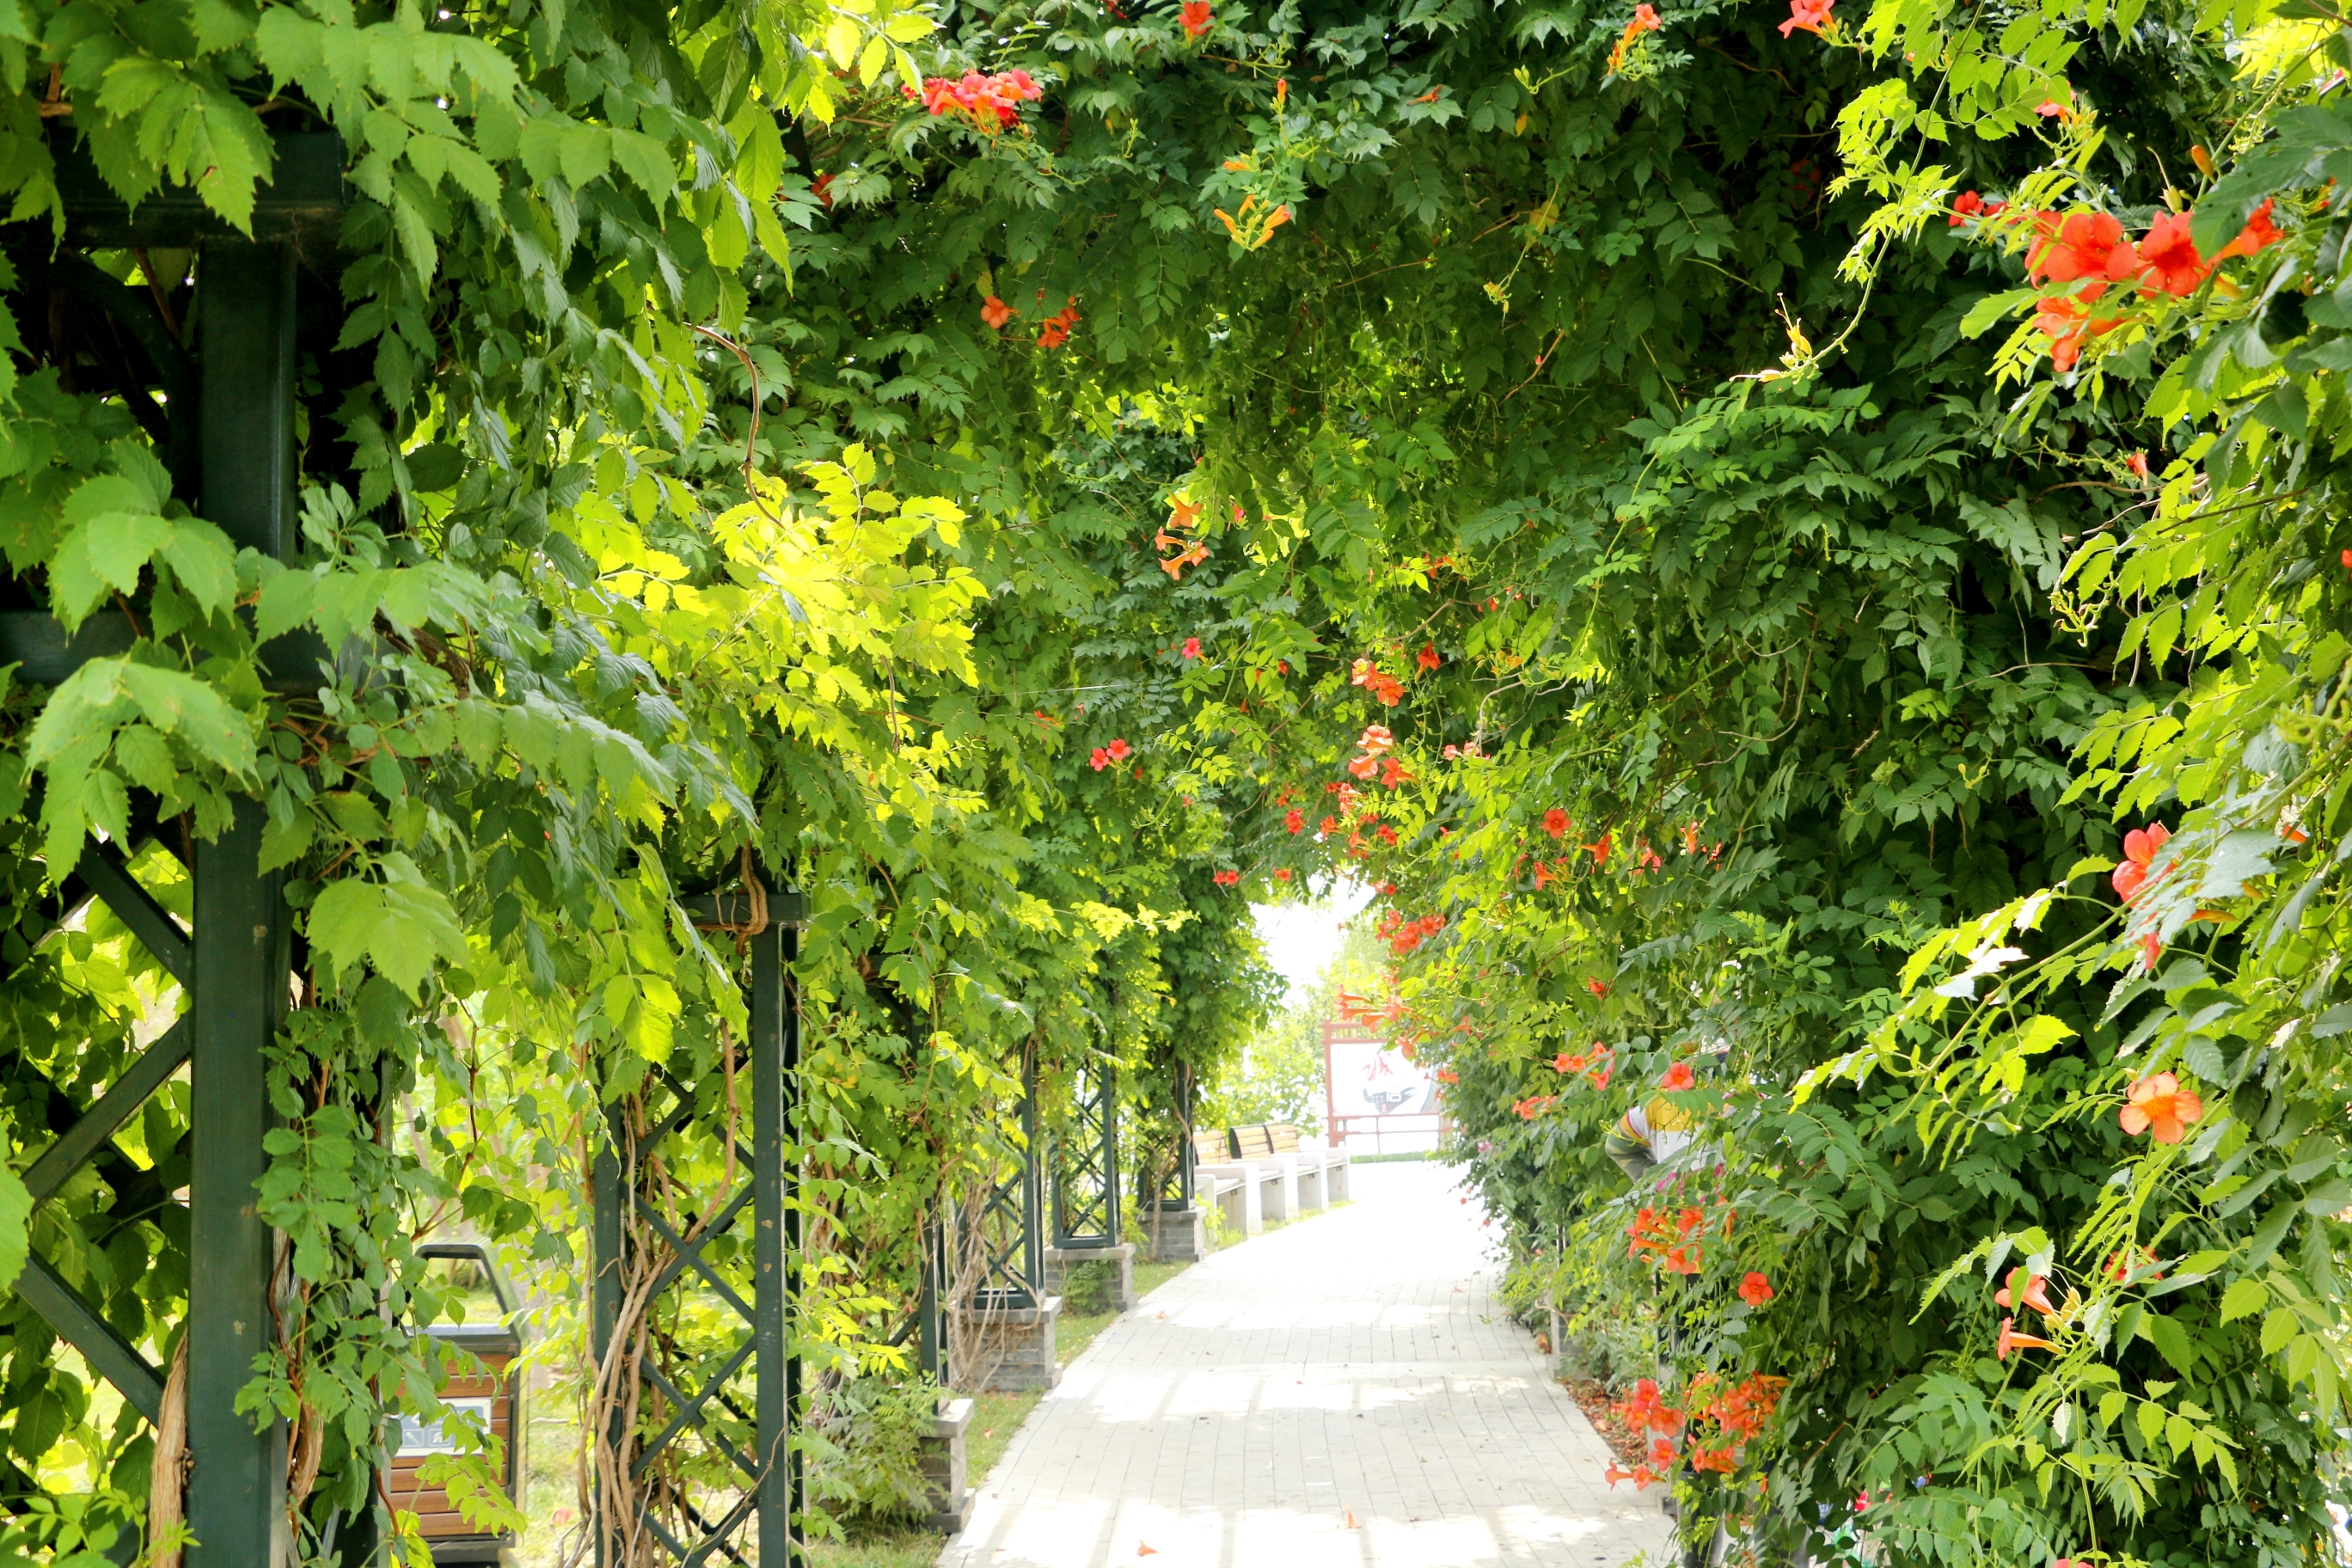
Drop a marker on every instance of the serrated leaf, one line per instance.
(585, 152)
(286, 602)
(343, 918)
(2171, 1341)
(2278, 1328)
(202, 562)
(2244, 1300)
(400, 926)
(178, 703)
(841, 41)
(283, 844)
(647, 163)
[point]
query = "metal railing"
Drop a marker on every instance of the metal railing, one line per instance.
(1416, 1124)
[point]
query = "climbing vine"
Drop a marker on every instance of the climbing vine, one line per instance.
(1035, 476)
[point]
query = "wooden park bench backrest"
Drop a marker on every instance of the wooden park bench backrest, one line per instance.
(1254, 1143)
(1210, 1147)
(1284, 1136)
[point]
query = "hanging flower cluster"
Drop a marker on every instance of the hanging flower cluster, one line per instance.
(1386, 690)
(1676, 1244)
(1712, 1427)
(1183, 516)
(1403, 935)
(2140, 845)
(2131, 879)
(1194, 14)
(1594, 1065)
(1968, 204)
(1055, 330)
(2087, 251)
(1252, 225)
(1809, 16)
(1645, 20)
(2023, 1291)
(1227, 878)
(992, 103)
(1375, 741)
(1104, 756)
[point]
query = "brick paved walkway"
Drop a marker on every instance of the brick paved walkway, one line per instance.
(1344, 1391)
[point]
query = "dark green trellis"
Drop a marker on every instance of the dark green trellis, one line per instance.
(701, 1394)
(225, 430)
(1010, 1232)
(1086, 1163)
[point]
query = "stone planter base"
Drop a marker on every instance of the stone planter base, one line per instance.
(1016, 1344)
(1178, 1236)
(1116, 1262)
(943, 1467)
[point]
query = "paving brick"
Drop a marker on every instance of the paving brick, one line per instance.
(1345, 1391)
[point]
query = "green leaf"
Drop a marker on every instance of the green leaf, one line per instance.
(399, 925)
(2244, 1300)
(646, 161)
(178, 703)
(219, 24)
(286, 602)
(480, 731)
(1992, 309)
(585, 152)
(2269, 1234)
(16, 1217)
(111, 534)
(2278, 1328)
(202, 562)
(343, 918)
(282, 843)
(2331, 1196)
(2171, 1341)
(355, 814)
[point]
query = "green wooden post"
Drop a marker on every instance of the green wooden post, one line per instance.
(774, 1051)
(236, 1492)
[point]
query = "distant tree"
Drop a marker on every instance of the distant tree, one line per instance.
(1279, 1077)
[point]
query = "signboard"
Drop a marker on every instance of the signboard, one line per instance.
(1370, 1086)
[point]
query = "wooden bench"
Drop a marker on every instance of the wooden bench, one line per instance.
(1247, 1191)
(1321, 1173)
(1217, 1180)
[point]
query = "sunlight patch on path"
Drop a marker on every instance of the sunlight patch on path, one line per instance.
(1345, 1391)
